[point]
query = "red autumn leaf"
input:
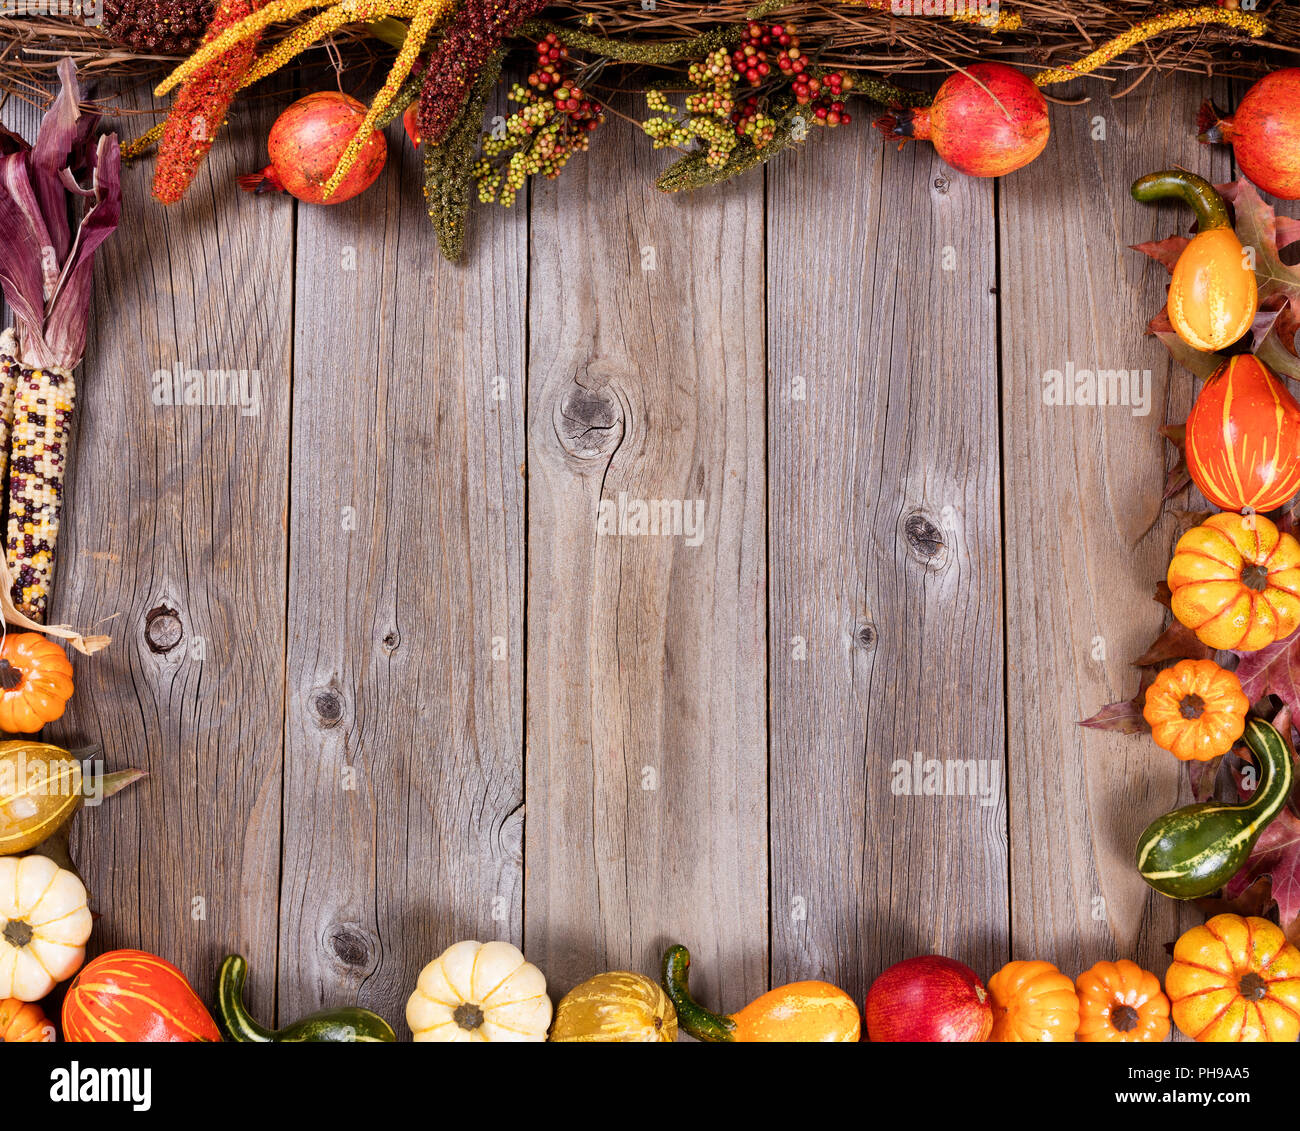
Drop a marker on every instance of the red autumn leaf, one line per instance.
(1277, 856)
(1257, 227)
(1198, 364)
(1273, 670)
(1256, 898)
(1122, 718)
(1219, 779)
(1164, 252)
(1177, 642)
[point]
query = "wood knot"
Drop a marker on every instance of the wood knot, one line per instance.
(589, 422)
(941, 182)
(864, 636)
(162, 629)
(923, 537)
(351, 946)
(391, 640)
(326, 707)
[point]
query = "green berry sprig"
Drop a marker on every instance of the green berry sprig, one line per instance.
(554, 121)
(769, 61)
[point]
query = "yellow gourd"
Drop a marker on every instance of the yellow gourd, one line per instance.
(618, 1006)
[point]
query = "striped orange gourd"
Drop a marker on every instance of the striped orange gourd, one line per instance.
(131, 995)
(1243, 438)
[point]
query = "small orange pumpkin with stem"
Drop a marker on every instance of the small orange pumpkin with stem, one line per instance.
(24, 1022)
(1236, 979)
(1119, 1001)
(1033, 1001)
(800, 1011)
(35, 682)
(1235, 582)
(1196, 710)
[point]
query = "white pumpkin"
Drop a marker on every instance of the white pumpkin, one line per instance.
(44, 925)
(480, 992)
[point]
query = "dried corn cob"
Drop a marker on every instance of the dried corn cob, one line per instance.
(9, 369)
(46, 271)
(38, 446)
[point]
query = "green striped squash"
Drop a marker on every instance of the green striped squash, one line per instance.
(1195, 850)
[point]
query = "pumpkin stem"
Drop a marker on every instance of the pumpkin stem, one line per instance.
(1252, 987)
(468, 1016)
(236, 1019)
(1255, 577)
(10, 676)
(1124, 1018)
(1191, 707)
(702, 1024)
(18, 933)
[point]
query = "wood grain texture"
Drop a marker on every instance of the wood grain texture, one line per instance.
(1082, 487)
(884, 549)
(645, 715)
(403, 768)
(174, 529)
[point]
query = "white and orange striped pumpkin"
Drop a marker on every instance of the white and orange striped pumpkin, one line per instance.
(477, 992)
(44, 925)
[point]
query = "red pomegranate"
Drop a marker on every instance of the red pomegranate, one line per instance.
(987, 121)
(306, 143)
(931, 998)
(1264, 132)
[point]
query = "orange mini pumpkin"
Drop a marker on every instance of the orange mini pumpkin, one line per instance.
(35, 682)
(1119, 1001)
(24, 1022)
(1196, 710)
(1236, 979)
(1235, 581)
(1033, 1001)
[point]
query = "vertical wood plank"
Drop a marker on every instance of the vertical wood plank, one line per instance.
(645, 715)
(174, 529)
(1083, 484)
(884, 549)
(403, 785)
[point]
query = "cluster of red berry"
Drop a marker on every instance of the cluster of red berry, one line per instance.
(551, 78)
(752, 63)
(825, 95)
(553, 122)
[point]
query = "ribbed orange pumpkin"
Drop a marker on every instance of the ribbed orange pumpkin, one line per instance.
(1235, 582)
(1119, 1001)
(1196, 710)
(1243, 438)
(130, 995)
(35, 682)
(1236, 979)
(24, 1022)
(1033, 1001)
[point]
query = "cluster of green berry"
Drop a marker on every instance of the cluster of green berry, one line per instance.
(714, 116)
(554, 121)
(718, 118)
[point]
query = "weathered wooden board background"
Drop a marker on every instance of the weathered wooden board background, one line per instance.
(398, 682)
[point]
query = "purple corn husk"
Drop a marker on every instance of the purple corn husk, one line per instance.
(46, 264)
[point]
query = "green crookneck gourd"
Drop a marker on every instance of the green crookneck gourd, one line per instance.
(1195, 850)
(346, 1025)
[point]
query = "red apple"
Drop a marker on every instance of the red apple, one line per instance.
(931, 998)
